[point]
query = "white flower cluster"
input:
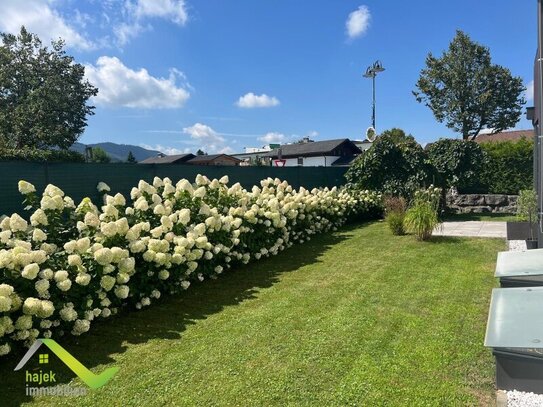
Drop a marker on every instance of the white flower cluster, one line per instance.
(70, 265)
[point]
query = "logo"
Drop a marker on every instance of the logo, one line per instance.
(48, 377)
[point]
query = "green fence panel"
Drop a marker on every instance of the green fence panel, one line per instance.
(79, 180)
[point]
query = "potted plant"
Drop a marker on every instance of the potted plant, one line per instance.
(527, 211)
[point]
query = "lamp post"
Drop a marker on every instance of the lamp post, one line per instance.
(371, 72)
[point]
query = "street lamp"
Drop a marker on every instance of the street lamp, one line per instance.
(371, 72)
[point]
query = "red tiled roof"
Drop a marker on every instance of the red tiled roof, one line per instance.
(512, 135)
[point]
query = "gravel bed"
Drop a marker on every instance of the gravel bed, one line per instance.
(517, 245)
(521, 399)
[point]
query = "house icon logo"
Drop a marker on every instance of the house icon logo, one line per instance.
(41, 377)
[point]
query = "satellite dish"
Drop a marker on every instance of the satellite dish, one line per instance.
(371, 134)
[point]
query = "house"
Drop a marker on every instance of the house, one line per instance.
(214, 159)
(256, 155)
(363, 144)
(168, 159)
(509, 135)
(327, 153)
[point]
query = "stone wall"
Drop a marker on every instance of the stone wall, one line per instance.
(481, 203)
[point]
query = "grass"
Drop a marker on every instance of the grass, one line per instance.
(486, 217)
(358, 317)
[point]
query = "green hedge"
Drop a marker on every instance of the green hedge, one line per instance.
(457, 162)
(34, 155)
(508, 167)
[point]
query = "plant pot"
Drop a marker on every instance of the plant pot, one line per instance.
(531, 244)
(520, 230)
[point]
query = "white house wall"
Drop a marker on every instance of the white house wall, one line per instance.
(312, 161)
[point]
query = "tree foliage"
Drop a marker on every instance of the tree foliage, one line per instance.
(457, 163)
(469, 93)
(131, 159)
(398, 136)
(35, 155)
(99, 155)
(393, 165)
(43, 93)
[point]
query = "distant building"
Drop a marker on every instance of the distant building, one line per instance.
(509, 135)
(363, 144)
(327, 153)
(214, 159)
(168, 159)
(256, 156)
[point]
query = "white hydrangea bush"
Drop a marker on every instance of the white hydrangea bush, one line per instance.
(70, 265)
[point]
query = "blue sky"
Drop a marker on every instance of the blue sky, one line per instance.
(223, 75)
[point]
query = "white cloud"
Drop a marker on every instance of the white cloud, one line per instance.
(40, 18)
(250, 100)
(121, 86)
(529, 95)
(172, 10)
(166, 149)
(125, 32)
(272, 137)
(358, 22)
(137, 12)
(206, 138)
(226, 150)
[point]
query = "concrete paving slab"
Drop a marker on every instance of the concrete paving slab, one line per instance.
(472, 229)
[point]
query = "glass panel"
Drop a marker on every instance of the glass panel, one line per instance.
(515, 318)
(525, 263)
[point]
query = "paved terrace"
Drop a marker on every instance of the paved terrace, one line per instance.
(471, 229)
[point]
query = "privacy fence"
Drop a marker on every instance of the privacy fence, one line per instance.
(79, 180)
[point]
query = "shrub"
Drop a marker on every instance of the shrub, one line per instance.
(508, 168)
(422, 217)
(74, 264)
(30, 154)
(458, 163)
(395, 213)
(527, 206)
(392, 165)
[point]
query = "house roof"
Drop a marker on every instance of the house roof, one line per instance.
(344, 161)
(312, 148)
(167, 159)
(512, 135)
(210, 157)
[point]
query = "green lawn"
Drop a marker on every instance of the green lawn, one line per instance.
(358, 317)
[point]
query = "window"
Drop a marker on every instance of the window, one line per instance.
(300, 160)
(44, 358)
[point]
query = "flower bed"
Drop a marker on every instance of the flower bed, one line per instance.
(74, 264)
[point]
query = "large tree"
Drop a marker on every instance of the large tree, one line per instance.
(43, 93)
(469, 93)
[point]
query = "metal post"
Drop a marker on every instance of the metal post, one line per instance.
(539, 116)
(373, 114)
(371, 72)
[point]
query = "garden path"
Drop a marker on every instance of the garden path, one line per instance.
(471, 229)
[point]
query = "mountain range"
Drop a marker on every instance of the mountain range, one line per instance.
(118, 152)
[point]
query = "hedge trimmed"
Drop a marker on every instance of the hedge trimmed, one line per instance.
(508, 167)
(72, 264)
